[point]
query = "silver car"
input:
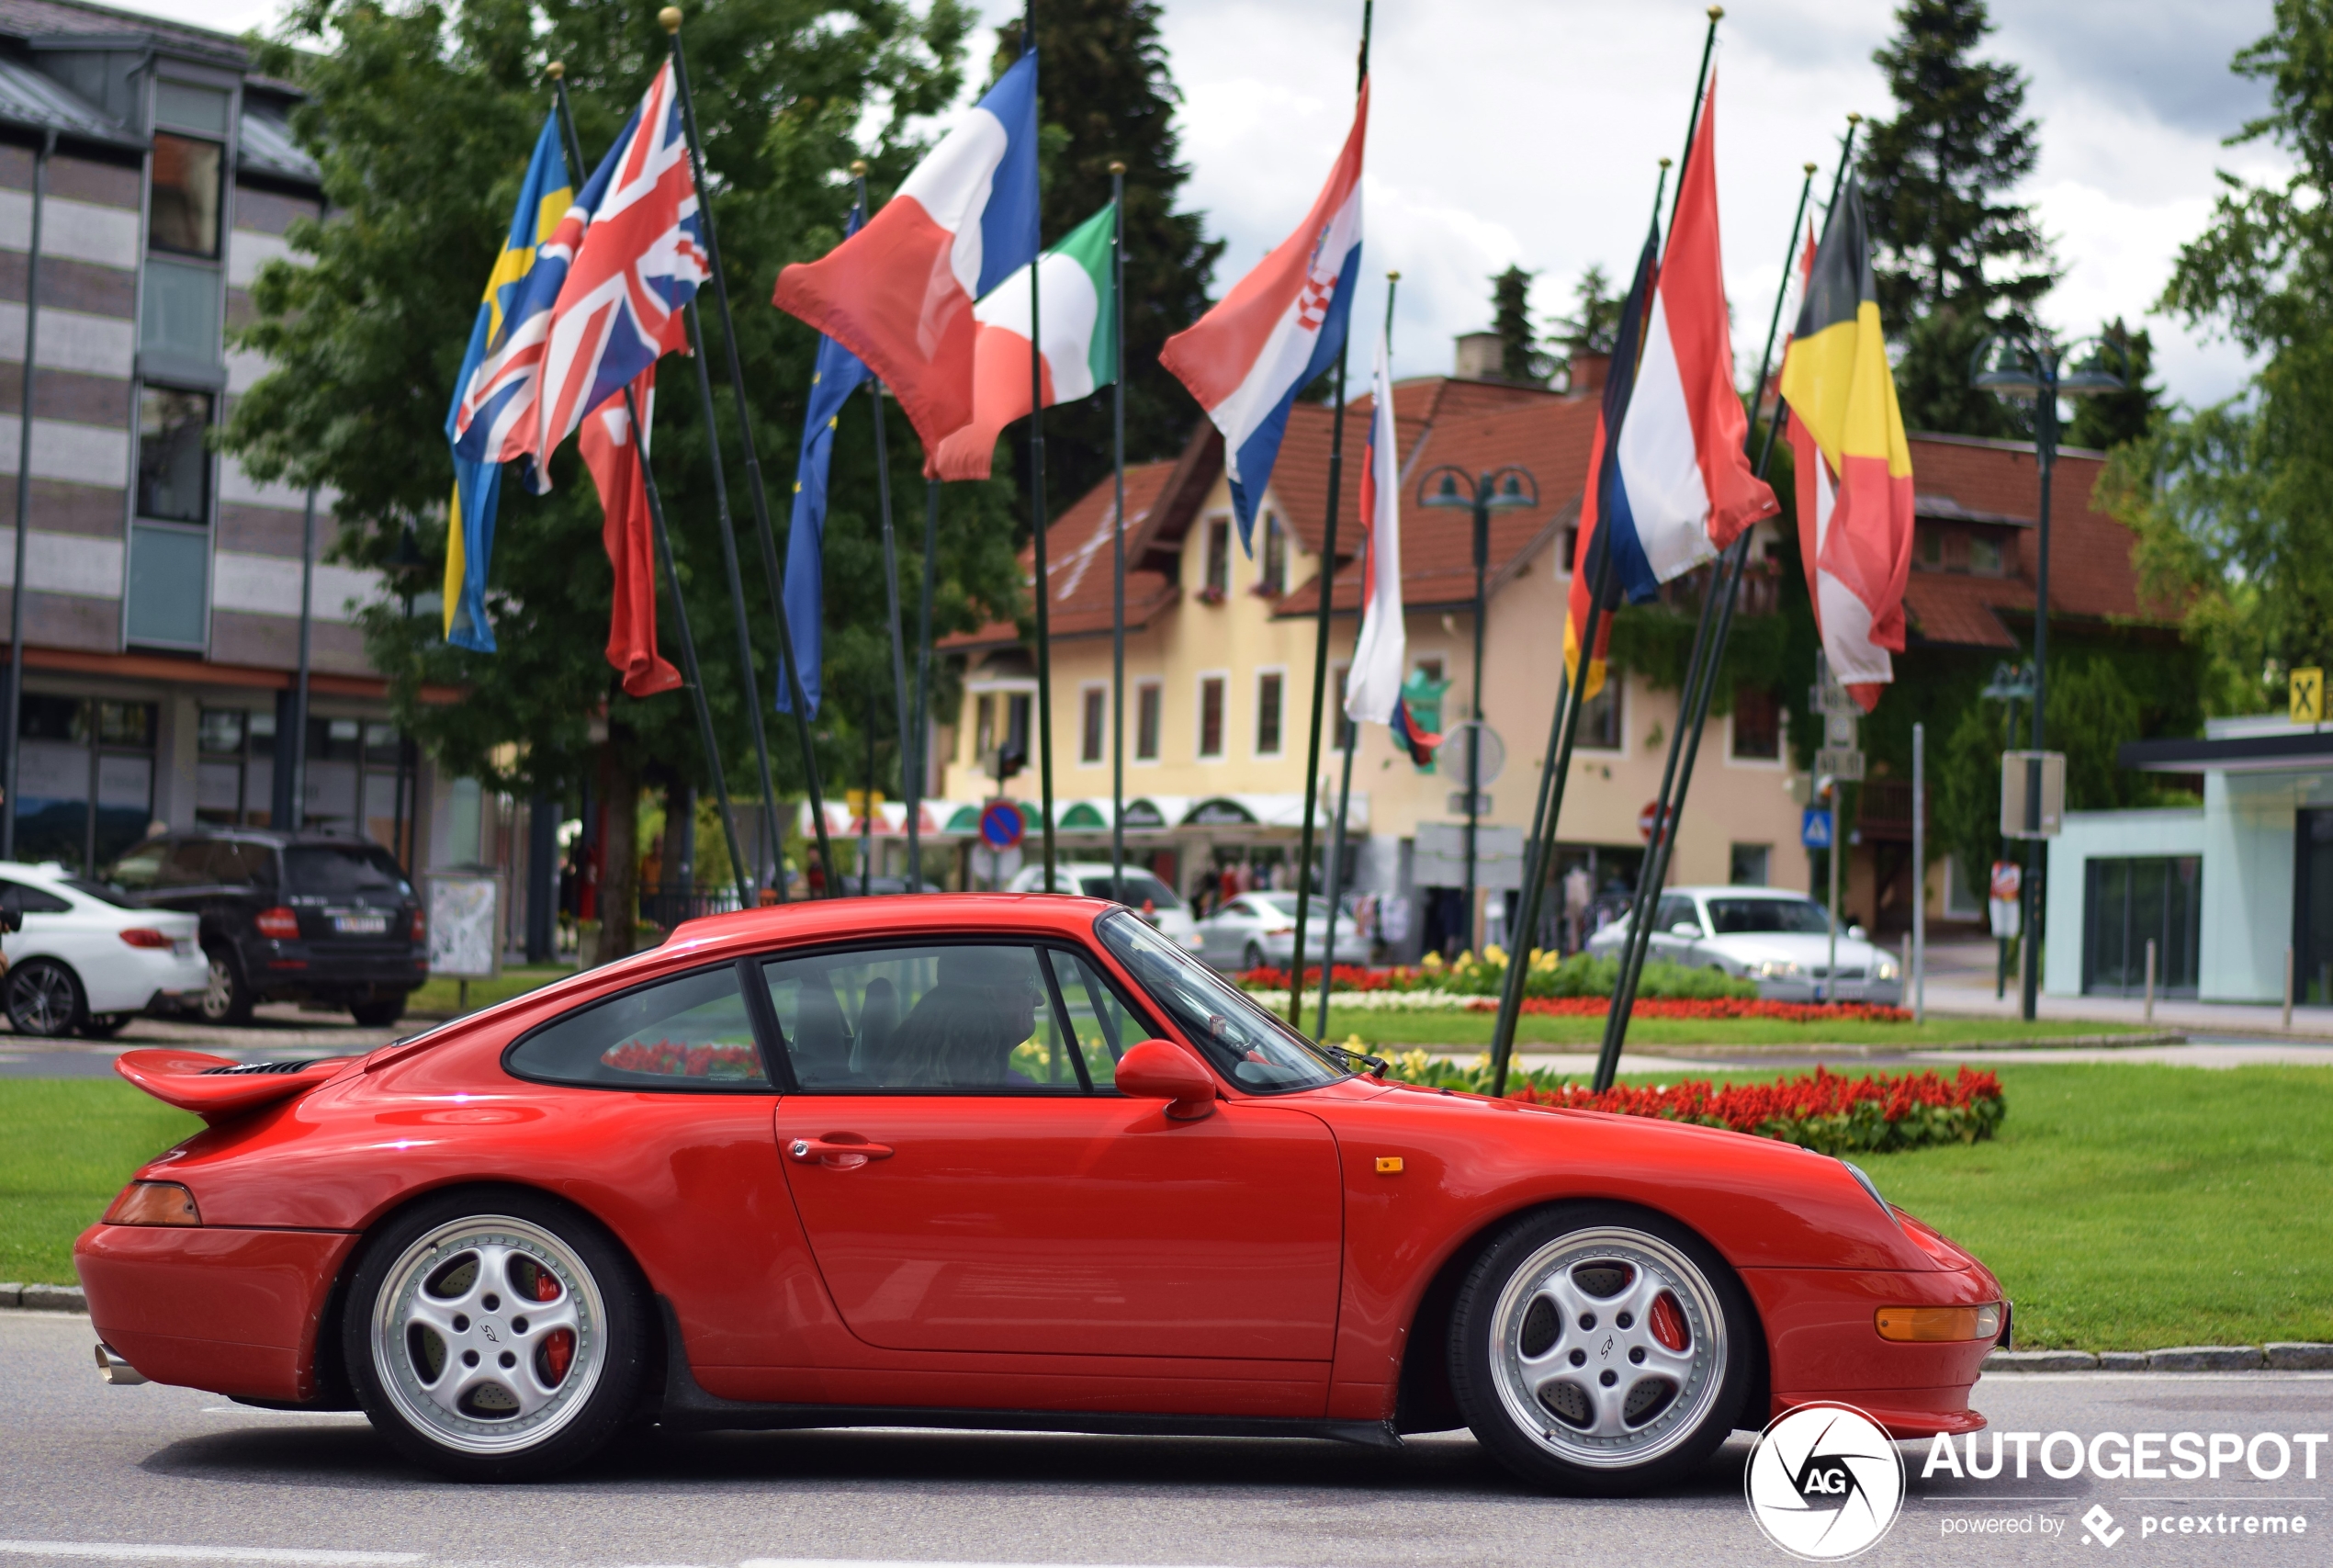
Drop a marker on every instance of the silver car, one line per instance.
(1157, 902)
(1255, 930)
(1780, 939)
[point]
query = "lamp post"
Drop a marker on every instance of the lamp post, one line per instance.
(2023, 365)
(1493, 490)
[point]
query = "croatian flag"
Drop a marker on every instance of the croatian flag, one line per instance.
(1277, 330)
(899, 294)
(1381, 653)
(1682, 451)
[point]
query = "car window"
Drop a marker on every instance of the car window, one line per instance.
(36, 900)
(141, 868)
(238, 863)
(187, 863)
(690, 1032)
(1100, 1021)
(1674, 908)
(330, 869)
(1247, 1044)
(1794, 916)
(99, 891)
(1141, 887)
(971, 1018)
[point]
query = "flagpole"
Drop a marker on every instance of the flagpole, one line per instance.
(1350, 733)
(1041, 584)
(1320, 641)
(1118, 534)
(923, 678)
(789, 670)
(1701, 682)
(664, 554)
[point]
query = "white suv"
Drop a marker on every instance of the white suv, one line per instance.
(1153, 899)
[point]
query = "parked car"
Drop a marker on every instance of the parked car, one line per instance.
(902, 1161)
(1779, 938)
(1157, 902)
(86, 960)
(1254, 930)
(287, 917)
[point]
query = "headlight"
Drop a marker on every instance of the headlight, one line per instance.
(1193, 941)
(1885, 969)
(1777, 969)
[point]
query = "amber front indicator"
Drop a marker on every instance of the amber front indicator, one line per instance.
(1925, 1325)
(153, 1203)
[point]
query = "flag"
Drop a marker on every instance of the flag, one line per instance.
(1682, 456)
(1079, 318)
(469, 535)
(637, 237)
(1380, 652)
(1277, 330)
(1853, 465)
(629, 532)
(900, 293)
(839, 374)
(1606, 496)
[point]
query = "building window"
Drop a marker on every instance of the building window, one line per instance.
(1757, 724)
(1600, 718)
(1984, 555)
(1269, 686)
(984, 728)
(1749, 865)
(1149, 695)
(1219, 560)
(1211, 716)
(184, 216)
(173, 467)
(86, 784)
(1093, 718)
(1273, 578)
(1928, 543)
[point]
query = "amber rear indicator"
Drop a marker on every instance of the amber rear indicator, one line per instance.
(1929, 1325)
(153, 1203)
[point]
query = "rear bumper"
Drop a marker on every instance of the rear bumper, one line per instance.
(234, 1312)
(130, 980)
(296, 969)
(1821, 1343)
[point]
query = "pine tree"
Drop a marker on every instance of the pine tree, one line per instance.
(1521, 359)
(1956, 260)
(1105, 94)
(2106, 422)
(1595, 318)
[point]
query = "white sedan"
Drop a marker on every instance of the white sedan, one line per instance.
(1257, 930)
(86, 960)
(1780, 939)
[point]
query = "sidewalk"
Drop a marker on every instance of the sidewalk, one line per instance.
(1960, 982)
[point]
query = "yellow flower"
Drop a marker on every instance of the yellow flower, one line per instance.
(1433, 963)
(1494, 953)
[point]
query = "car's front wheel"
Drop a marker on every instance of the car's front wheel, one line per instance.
(1598, 1347)
(1251, 958)
(496, 1335)
(44, 998)
(378, 1012)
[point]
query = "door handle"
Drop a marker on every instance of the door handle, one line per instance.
(836, 1155)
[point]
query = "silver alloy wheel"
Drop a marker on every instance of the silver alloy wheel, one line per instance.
(488, 1335)
(1608, 1347)
(219, 995)
(41, 999)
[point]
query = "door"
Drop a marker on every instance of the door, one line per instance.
(1009, 1200)
(1672, 910)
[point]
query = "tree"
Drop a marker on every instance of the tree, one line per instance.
(422, 119)
(1104, 93)
(1593, 322)
(2108, 421)
(1521, 359)
(1955, 261)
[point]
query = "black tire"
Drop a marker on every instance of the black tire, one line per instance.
(473, 1251)
(1251, 958)
(104, 1025)
(228, 1000)
(45, 999)
(1623, 1288)
(379, 1013)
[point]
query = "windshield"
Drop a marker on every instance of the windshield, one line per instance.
(344, 868)
(1140, 888)
(1792, 917)
(1249, 1045)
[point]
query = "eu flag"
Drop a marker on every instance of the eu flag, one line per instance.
(838, 376)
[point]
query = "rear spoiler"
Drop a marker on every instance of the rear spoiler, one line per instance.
(218, 1089)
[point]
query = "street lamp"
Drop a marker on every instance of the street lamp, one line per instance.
(2023, 365)
(1493, 490)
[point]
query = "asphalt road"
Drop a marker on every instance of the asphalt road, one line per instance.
(92, 1473)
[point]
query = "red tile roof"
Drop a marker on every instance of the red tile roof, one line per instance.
(1078, 560)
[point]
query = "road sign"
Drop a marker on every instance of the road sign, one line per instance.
(2308, 696)
(1649, 815)
(1489, 763)
(1814, 828)
(1843, 763)
(1839, 730)
(1001, 824)
(1457, 803)
(2015, 775)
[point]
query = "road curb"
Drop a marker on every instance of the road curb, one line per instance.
(2283, 1356)
(43, 1298)
(1861, 1049)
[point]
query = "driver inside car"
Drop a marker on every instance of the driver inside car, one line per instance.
(962, 1032)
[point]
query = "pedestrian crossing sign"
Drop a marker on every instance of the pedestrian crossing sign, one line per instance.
(1814, 828)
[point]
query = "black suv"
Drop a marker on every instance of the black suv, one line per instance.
(288, 916)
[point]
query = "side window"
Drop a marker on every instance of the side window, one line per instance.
(185, 864)
(1099, 1020)
(36, 900)
(928, 1020)
(141, 868)
(241, 864)
(690, 1032)
(1674, 912)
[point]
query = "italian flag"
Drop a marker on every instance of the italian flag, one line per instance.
(1078, 318)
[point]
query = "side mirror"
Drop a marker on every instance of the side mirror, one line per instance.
(1160, 1069)
(11, 911)
(1856, 934)
(1684, 927)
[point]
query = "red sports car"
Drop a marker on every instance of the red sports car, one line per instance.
(992, 1162)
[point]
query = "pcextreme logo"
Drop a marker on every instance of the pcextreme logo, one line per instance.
(1824, 1483)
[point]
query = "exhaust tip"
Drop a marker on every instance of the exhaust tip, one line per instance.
(113, 1369)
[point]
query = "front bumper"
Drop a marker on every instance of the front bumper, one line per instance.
(1881, 993)
(1822, 1344)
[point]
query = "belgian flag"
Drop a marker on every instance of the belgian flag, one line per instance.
(1854, 467)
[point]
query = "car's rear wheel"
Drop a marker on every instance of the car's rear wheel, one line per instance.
(378, 1012)
(496, 1335)
(1599, 1348)
(227, 998)
(44, 998)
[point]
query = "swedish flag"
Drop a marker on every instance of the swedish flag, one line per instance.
(543, 200)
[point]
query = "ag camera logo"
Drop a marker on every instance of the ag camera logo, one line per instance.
(1824, 1482)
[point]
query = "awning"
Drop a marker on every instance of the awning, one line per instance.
(2280, 751)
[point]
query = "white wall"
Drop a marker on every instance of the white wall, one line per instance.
(2112, 835)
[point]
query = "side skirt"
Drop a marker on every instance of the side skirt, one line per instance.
(689, 1407)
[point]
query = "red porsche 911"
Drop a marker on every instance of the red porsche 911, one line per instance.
(992, 1162)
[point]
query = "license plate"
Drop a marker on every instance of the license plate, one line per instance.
(184, 948)
(361, 925)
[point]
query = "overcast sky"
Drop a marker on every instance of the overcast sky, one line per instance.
(1526, 132)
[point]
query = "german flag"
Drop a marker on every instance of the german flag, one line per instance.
(1854, 467)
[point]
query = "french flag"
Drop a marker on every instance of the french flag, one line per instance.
(899, 293)
(1277, 330)
(1683, 462)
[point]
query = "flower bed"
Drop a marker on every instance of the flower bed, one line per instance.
(1718, 1007)
(1550, 977)
(675, 1060)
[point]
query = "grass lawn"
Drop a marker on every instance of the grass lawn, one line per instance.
(2125, 1206)
(442, 999)
(1458, 1030)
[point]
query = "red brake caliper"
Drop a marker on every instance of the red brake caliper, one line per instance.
(559, 1350)
(1668, 1323)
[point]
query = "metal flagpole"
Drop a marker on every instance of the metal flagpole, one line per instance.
(890, 562)
(671, 577)
(923, 679)
(299, 687)
(1043, 583)
(1351, 735)
(1320, 641)
(1118, 535)
(24, 501)
(789, 671)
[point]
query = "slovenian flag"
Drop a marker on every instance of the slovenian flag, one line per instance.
(900, 293)
(1277, 330)
(1077, 314)
(1381, 653)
